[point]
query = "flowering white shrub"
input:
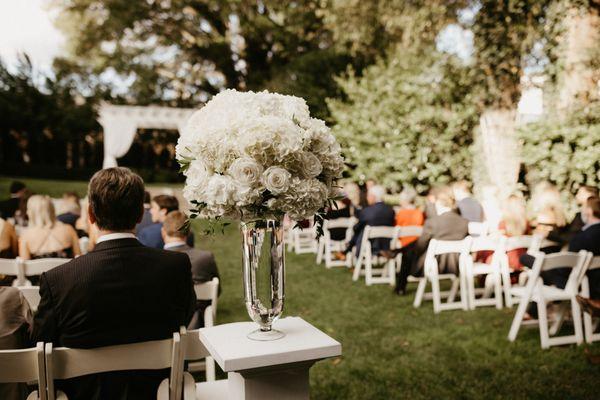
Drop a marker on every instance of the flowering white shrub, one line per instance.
(252, 156)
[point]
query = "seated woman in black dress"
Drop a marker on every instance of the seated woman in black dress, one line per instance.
(344, 210)
(45, 236)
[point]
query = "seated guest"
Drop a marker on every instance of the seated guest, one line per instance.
(70, 209)
(430, 211)
(588, 238)
(549, 214)
(21, 218)
(45, 236)
(15, 322)
(121, 292)
(151, 235)
(9, 244)
(564, 236)
(408, 214)
(446, 225)
(204, 267)
(9, 207)
(343, 209)
(147, 218)
(514, 223)
(376, 214)
(469, 208)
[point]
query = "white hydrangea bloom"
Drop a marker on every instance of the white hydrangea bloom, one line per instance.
(257, 155)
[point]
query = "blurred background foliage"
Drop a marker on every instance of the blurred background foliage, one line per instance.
(405, 105)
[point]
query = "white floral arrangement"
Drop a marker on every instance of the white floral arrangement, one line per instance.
(254, 156)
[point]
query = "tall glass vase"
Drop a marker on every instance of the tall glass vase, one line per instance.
(264, 275)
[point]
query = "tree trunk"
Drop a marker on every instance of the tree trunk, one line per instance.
(581, 38)
(497, 155)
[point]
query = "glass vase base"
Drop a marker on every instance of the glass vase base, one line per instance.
(265, 336)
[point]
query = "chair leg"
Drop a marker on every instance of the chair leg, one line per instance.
(368, 271)
(577, 325)
(435, 289)
(420, 293)
(320, 251)
(464, 296)
(517, 320)
(471, 287)
(357, 268)
(392, 272)
(498, 290)
(543, 323)
(453, 290)
(560, 318)
(506, 284)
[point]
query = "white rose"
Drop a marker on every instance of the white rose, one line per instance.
(276, 179)
(196, 173)
(245, 171)
(220, 190)
(310, 165)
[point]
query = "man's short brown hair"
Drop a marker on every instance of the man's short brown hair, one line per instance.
(166, 202)
(116, 198)
(594, 203)
(175, 224)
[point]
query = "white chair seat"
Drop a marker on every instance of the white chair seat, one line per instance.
(216, 390)
(483, 268)
(546, 293)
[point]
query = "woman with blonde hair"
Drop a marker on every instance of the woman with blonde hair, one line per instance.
(514, 223)
(45, 236)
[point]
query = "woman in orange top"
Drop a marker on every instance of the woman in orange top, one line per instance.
(408, 214)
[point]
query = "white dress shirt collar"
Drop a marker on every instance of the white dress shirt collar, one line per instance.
(115, 236)
(174, 244)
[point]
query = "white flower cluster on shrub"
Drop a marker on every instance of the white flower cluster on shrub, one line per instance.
(253, 156)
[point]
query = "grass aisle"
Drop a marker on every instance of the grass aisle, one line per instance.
(390, 349)
(393, 351)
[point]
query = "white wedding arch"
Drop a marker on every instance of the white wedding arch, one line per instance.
(120, 124)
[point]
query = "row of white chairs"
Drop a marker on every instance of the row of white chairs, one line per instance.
(44, 364)
(23, 269)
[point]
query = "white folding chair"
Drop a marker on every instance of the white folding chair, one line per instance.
(328, 246)
(209, 291)
(588, 323)
(304, 240)
(542, 295)
(24, 366)
(491, 271)
(37, 267)
(66, 363)
(32, 295)
(529, 242)
(10, 266)
(84, 244)
(407, 231)
(432, 274)
(387, 272)
(478, 229)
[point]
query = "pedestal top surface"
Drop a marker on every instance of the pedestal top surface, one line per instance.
(233, 351)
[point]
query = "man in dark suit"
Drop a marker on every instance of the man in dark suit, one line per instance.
(204, 267)
(147, 217)
(563, 235)
(376, 214)
(588, 238)
(9, 207)
(160, 206)
(121, 292)
(446, 225)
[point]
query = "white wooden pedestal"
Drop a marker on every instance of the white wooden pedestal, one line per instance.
(277, 369)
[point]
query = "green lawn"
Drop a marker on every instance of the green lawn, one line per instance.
(393, 351)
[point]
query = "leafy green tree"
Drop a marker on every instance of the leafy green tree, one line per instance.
(407, 120)
(181, 52)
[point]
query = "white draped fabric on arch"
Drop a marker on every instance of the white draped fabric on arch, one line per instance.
(120, 124)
